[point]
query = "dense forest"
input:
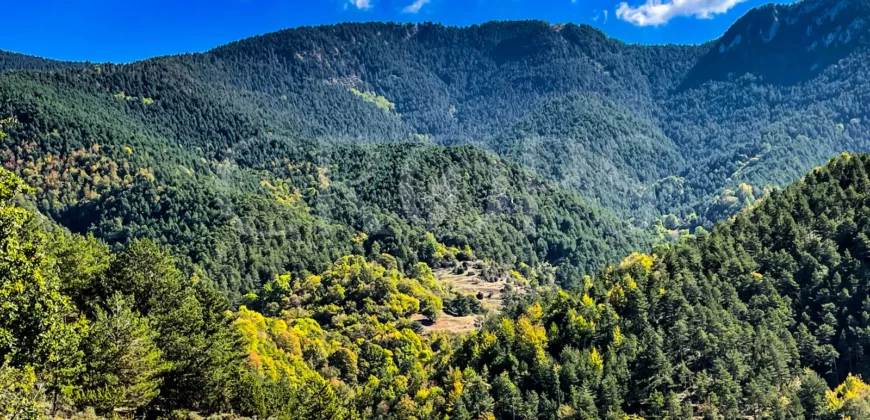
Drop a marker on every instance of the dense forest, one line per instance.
(765, 316)
(258, 230)
(14, 61)
(193, 150)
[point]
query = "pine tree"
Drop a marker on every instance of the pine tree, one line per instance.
(124, 366)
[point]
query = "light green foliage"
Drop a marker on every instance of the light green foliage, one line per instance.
(79, 263)
(124, 96)
(356, 342)
(352, 288)
(19, 396)
(379, 101)
(38, 326)
(670, 221)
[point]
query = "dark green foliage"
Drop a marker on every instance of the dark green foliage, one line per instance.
(124, 366)
(266, 203)
(764, 309)
(463, 305)
(190, 320)
(620, 123)
(359, 152)
(194, 150)
(769, 37)
(14, 61)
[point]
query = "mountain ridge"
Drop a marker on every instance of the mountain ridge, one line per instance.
(15, 61)
(835, 27)
(273, 230)
(586, 112)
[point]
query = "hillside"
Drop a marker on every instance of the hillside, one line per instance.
(303, 225)
(269, 203)
(750, 320)
(705, 121)
(642, 133)
(786, 44)
(469, 85)
(763, 317)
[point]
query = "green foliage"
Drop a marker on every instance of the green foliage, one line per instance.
(260, 173)
(264, 202)
(730, 323)
(763, 283)
(379, 101)
(343, 333)
(171, 337)
(19, 396)
(38, 326)
(14, 61)
(463, 305)
(124, 365)
(189, 319)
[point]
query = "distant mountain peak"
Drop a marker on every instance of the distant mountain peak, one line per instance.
(786, 43)
(836, 22)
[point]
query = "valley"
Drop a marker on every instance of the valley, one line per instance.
(514, 219)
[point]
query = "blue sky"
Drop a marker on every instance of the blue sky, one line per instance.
(129, 30)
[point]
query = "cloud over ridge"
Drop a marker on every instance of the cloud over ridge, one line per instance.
(660, 12)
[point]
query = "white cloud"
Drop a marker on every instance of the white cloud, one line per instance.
(605, 16)
(361, 4)
(659, 12)
(415, 6)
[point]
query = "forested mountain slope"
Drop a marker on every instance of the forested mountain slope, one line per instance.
(178, 148)
(711, 120)
(246, 207)
(744, 309)
(786, 44)
(251, 231)
(466, 85)
(763, 317)
(749, 320)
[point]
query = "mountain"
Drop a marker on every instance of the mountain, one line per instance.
(721, 114)
(787, 43)
(269, 229)
(765, 316)
(648, 134)
(243, 203)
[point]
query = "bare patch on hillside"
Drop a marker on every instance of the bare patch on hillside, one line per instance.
(470, 282)
(448, 323)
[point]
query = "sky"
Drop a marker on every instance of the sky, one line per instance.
(128, 30)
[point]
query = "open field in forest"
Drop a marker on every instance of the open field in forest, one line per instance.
(448, 323)
(470, 283)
